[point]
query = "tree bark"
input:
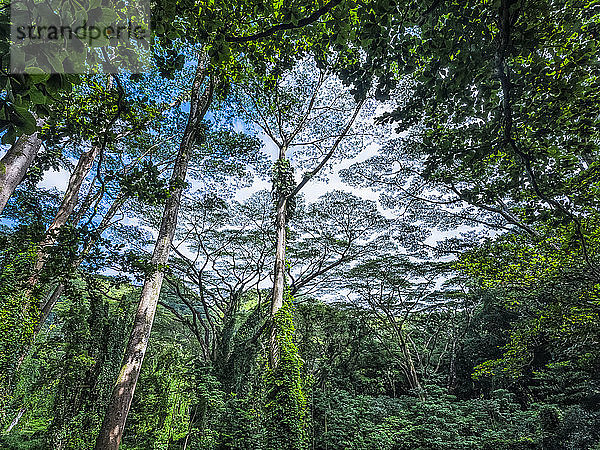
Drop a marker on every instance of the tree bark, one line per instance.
(113, 425)
(15, 163)
(279, 274)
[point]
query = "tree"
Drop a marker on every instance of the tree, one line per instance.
(114, 421)
(485, 152)
(397, 291)
(329, 236)
(479, 149)
(221, 261)
(100, 122)
(14, 164)
(312, 116)
(225, 254)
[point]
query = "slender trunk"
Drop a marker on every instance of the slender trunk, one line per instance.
(92, 195)
(452, 369)
(113, 425)
(281, 223)
(409, 366)
(15, 163)
(279, 272)
(66, 208)
(16, 420)
(189, 431)
(71, 197)
(411, 371)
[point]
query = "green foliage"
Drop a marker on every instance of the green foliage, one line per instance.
(64, 382)
(178, 397)
(241, 424)
(270, 34)
(144, 183)
(18, 313)
(26, 95)
(441, 422)
(93, 328)
(499, 128)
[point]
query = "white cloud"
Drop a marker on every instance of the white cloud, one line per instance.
(58, 179)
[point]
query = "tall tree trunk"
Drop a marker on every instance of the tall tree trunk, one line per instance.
(113, 425)
(15, 163)
(279, 269)
(66, 208)
(279, 274)
(283, 197)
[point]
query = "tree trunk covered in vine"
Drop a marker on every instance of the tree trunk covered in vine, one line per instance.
(113, 425)
(279, 273)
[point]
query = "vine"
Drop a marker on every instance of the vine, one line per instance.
(286, 402)
(284, 185)
(18, 317)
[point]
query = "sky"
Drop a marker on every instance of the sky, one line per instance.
(311, 192)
